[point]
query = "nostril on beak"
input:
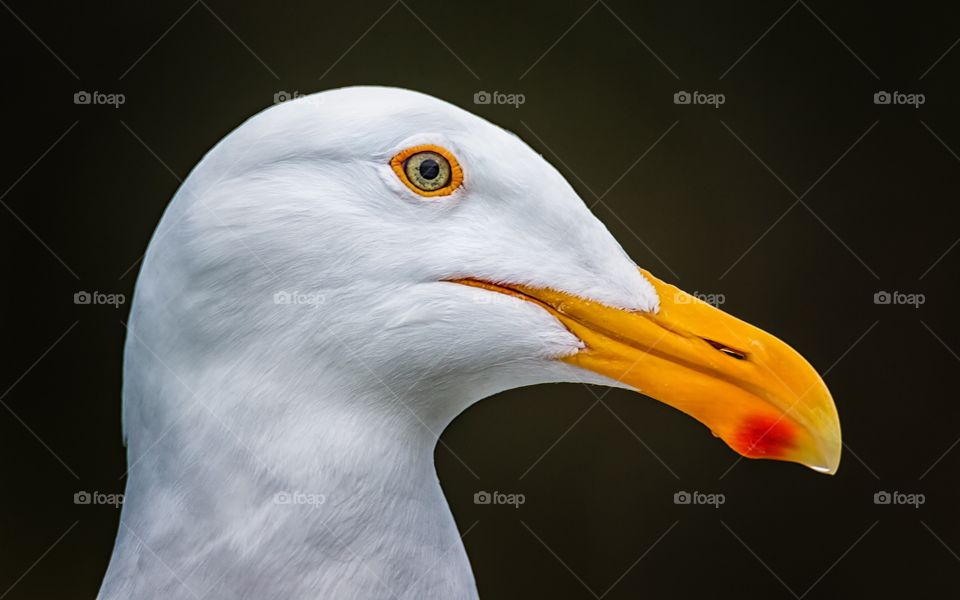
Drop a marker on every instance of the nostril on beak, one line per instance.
(732, 352)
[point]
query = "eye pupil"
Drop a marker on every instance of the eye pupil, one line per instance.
(429, 169)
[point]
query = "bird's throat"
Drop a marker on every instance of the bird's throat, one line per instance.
(355, 511)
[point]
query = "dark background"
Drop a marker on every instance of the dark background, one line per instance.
(703, 197)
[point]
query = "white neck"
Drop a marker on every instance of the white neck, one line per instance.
(343, 502)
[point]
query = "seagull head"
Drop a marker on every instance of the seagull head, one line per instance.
(394, 246)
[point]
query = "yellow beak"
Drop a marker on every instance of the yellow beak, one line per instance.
(751, 389)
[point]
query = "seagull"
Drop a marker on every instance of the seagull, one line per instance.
(337, 280)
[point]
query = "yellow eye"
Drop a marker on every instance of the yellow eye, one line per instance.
(428, 170)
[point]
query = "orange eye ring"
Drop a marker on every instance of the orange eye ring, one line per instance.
(399, 164)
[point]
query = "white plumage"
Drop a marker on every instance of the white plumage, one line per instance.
(231, 398)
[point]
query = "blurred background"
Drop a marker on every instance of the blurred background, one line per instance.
(796, 164)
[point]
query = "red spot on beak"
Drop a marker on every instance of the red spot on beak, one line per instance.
(764, 437)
